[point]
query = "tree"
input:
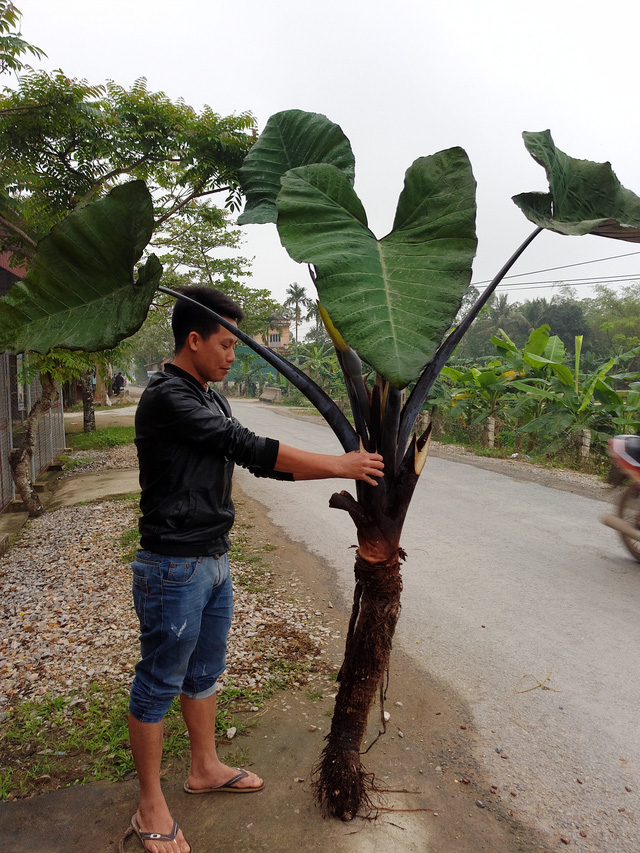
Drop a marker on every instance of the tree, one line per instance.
(561, 402)
(479, 392)
(248, 367)
(565, 317)
(12, 45)
(196, 246)
(319, 362)
(612, 320)
(64, 143)
(389, 303)
(297, 299)
(318, 334)
(153, 342)
(534, 312)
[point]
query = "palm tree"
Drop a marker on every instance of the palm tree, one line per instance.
(318, 334)
(297, 299)
(535, 312)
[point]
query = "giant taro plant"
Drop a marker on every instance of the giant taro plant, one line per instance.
(389, 303)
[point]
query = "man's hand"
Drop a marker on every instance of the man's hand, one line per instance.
(357, 465)
(360, 465)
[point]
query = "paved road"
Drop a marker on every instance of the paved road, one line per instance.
(507, 579)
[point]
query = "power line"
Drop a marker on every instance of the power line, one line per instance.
(543, 286)
(566, 266)
(572, 282)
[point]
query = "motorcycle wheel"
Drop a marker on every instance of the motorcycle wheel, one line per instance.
(629, 510)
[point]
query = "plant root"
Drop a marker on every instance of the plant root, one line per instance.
(343, 786)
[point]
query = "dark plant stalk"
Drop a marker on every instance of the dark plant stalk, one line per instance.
(420, 393)
(324, 404)
(351, 367)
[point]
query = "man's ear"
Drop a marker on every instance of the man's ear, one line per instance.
(193, 339)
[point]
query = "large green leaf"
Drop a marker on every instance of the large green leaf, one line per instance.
(80, 291)
(537, 341)
(290, 139)
(597, 377)
(394, 299)
(554, 350)
(584, 197)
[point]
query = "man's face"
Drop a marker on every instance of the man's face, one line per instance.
(214, 356)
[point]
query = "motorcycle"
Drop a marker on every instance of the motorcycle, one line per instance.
(624, 450)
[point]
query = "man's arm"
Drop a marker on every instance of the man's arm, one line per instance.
(357, 465)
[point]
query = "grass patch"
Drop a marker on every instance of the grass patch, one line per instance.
(101, 439)
(238, 758)
(68, 740)
(69, 464)
(130, 541)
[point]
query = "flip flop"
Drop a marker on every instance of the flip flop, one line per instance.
(149, 836)
(228, 787)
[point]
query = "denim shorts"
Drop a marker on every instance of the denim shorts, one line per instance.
(184, 605)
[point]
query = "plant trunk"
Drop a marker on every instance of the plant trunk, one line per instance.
(20, 457)
(88, 411)
(343, 786)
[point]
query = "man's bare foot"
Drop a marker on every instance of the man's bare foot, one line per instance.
(219, 777)
(162, 825)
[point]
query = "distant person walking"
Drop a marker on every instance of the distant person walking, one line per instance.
(118, 384)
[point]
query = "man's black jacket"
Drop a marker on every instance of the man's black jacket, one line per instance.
(187, 445)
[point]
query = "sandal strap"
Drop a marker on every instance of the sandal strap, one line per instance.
(241, 775)
(157, 836)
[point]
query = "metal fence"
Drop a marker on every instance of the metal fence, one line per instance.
(50, 434)
(6, 483)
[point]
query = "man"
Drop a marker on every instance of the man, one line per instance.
(118, 384)
(187, 446)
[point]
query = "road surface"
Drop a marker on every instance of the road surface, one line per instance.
(507, 585)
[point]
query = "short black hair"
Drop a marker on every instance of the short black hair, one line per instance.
(188, 318)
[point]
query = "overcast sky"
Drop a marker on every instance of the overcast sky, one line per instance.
(403, 79)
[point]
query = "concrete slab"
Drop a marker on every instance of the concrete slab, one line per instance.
(10, 524)
(90, 487)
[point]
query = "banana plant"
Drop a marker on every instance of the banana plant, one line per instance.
(560, 402)
(481, 390)
(389, 303)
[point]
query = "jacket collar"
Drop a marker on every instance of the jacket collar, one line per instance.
(173, 370)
